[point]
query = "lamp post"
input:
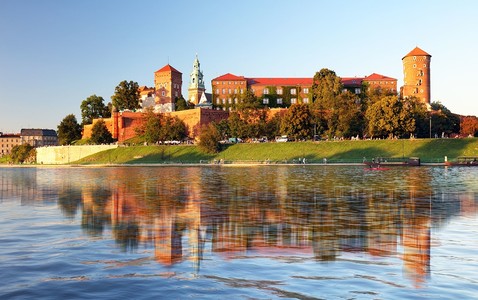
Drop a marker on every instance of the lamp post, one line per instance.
(430, 126)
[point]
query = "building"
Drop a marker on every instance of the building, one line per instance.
(416, 75)
(7, 142)
(228, 89)
(39, 137)
(168, 84)
(196, 83)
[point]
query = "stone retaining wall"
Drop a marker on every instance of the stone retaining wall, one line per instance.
(68, 154)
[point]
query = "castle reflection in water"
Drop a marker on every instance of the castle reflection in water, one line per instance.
(187, 212)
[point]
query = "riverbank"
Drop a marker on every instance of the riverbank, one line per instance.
(332, 152)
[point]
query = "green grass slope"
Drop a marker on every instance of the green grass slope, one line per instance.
(428, 150)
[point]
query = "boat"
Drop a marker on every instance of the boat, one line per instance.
(392, 162)
(465, 161)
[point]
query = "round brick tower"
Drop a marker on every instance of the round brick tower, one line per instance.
(416, 73)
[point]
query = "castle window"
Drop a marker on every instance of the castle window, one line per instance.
(265, 101)
(279, 100)
(279, 91)
(235, 91)
(293, 91)
(424, 65)
(306, 90)
(223, 91)
(305, 100)
(217, 91)
(163, 93)
(223, 101)
(414, 58)
(293, 100)
(357, 91)
(230, 91)
(242, 91)
(266, 91)
(235, 100)
(414, 65)
(230, 101)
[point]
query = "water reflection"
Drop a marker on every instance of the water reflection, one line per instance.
(320, 212)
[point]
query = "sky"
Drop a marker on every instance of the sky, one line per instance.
(54, 53)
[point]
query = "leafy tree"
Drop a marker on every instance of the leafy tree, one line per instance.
(23, 153)
(100, 134)
(325, 88)
(69, 130)
(297, 122)
(248, 101)
(389, 117)
(93, 107)
(272, 126)
(237, 126)
(443, 121)
(469, 126)
(126, 96)
(173, 129)
(151, 127)
(209, 139)
(181, 104)
(345, 118)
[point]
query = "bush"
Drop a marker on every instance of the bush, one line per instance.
(209, 139)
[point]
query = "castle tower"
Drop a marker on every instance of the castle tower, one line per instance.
(196, 83)
(416, 72)
(168, 83)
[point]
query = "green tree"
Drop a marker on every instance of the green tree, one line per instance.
(443, 121)
(297, 122)
(23, 153)
(126, 96)
(93, 107)
(69, 130)
(151, 127)
(391, 117)
(100, 134)
(181, 104)
(173, 129)
(325, 88)
(209, 139)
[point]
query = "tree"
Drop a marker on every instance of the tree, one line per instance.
(151, 127)
(390, 117)
(100, 134)
(325, 88)
(93, 107)
(173, 129)
(23, 153)
(126, 96)
(69, 130)
(209, 139)
(443, 121)
(181, 104)
(297, 122)
(469, 126)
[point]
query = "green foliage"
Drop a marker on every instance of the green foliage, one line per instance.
(69, 130)
(173, 129)
(151, 127)
(297, 122)
(23, 153)
(100, 134)
(158, 127)
(326, 88)
(93, 107)
(181, 104)
(126, 96)
(443, 121)
(209, 139)
(393, 117)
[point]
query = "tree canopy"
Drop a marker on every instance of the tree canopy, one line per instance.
(93, 107)
(100, 133)
(69, 130)
(297, 122)
(126, 96)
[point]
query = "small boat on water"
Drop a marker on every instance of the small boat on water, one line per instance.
(465, 161)
(381, 162)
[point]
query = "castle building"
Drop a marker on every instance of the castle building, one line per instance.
(196, 83)
(283, 92)
(168, 84)
(39, 137)
(7, 142)
(416, 72)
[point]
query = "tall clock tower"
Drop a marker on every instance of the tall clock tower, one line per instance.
(196, 83)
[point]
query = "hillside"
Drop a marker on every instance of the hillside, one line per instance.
(428, 150)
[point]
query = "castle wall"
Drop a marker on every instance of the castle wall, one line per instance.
(68, 154)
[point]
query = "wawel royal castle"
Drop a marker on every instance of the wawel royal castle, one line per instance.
(275, 93)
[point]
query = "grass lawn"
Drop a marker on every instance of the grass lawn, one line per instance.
(428, 150)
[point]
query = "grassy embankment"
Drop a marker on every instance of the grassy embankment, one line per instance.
(428, 150)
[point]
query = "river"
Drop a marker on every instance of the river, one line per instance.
(255, 232)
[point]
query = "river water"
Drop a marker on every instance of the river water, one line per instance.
(256, 232)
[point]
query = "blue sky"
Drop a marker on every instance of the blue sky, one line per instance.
(56, 53)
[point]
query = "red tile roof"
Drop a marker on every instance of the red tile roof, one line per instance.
(168, 68)
(280, 81)
(229, 76)
(375, 76)
(417, 52)
(351, 81)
